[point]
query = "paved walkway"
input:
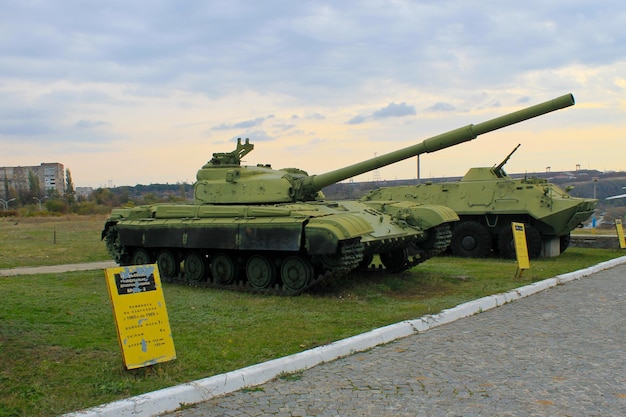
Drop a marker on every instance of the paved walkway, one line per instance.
(51, 269)
(558, 353)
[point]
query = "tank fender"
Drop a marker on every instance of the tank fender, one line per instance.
(431, 216)
(323, 234)
(125, 213)
(420, 215)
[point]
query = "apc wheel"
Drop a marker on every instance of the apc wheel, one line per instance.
(169, 267)
(140, 257)
(471, 240)
(296, 273)
(533, 241)
(195, 267)
(261, 272)
(224, 269)
(506, 244)
(395, 261)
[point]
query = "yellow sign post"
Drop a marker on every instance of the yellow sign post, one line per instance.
(521, 248)
(620, 233)
(143, 328)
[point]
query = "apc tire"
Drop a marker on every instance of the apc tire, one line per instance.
(471, 240)
(506, 245)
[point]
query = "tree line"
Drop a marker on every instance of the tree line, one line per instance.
(34, 201)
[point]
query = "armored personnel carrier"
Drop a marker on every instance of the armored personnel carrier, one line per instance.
(487, 200)
(271, 230)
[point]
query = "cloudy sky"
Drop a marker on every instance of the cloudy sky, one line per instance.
(140, 92)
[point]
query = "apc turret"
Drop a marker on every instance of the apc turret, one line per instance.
(270, 230)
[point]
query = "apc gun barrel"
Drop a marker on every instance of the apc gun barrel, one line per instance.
(439, 142)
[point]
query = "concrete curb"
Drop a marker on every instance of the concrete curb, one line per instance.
(169, 399)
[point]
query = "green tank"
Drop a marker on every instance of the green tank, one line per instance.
(268, 230)
(487, 200)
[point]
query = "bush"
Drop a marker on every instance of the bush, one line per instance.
(57, 206)
(90, 207)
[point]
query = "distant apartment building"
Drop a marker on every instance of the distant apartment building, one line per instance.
(83, 192)
(51, 177)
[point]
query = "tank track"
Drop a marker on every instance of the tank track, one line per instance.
(351, 255)
(116, 250)
(438, 241)
(350, 259)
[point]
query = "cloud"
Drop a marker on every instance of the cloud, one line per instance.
(284, 126)
(91, 124)
(390, 110)
(304, 147)
(27, 122)
(357, 120)
(245, 124)
(441, 107)
(255, 136)
(312, 116)
(394, 110)
(304, 48)
(94, 76)
(24, 129)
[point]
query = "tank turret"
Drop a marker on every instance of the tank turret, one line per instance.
(223, 180)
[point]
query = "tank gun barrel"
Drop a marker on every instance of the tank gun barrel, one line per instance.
(315, 183)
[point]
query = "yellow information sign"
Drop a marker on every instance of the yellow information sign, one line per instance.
(620, 233)
(521, 249)
(143, 328)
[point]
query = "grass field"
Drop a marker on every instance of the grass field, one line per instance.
(35, 241)
(58, 344)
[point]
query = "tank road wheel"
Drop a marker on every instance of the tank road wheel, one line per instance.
(296, 273)
(261, 272)
(195, 266)
(471, 240)
(141, 256)
(506, 244)
(395, 261)
(224, 269)
(169, 267)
